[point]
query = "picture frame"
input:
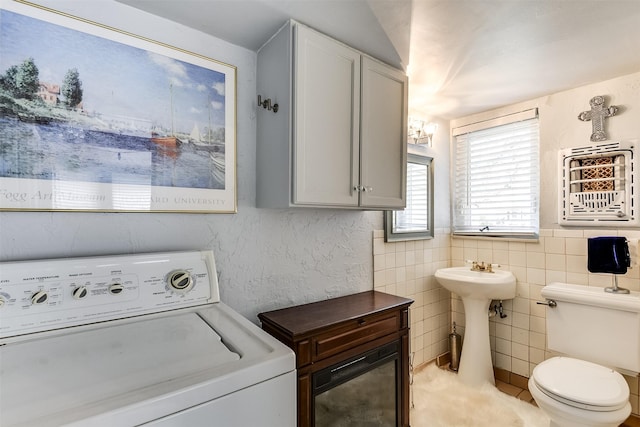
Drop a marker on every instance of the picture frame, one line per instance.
(97, 119)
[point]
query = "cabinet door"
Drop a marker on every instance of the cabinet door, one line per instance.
(326, 120)
(383, 145)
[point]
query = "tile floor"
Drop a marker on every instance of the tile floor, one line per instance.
(512, 390)
(516, 385)
(524, 394)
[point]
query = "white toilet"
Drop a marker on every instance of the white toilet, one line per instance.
(598, 331)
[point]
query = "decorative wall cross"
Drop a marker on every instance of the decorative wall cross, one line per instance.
(597, 115)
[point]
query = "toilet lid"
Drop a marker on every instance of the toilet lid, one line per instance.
(582, 384)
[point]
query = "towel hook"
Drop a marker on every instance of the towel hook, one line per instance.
(266, 104)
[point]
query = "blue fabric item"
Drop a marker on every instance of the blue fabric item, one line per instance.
(608, 255)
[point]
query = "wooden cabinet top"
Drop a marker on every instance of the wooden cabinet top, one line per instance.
(307, 318)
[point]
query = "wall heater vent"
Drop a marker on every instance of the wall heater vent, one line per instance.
(599, 185)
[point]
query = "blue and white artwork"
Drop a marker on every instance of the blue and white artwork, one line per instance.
(118, 123)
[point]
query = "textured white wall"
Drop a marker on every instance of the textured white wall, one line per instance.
(560, 128)
(519, 341)
(266, 258)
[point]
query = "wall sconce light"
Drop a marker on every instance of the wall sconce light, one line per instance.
(421, 132)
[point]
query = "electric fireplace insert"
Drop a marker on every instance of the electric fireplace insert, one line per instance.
(352, 359)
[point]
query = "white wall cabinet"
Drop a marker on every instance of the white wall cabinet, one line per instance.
(339, 136)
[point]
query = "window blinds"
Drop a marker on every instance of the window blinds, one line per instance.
(496, 178)
(414, 217)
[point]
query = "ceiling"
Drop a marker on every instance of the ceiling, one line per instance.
(462, 56)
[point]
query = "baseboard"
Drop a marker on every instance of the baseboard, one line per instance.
(444, 359)
(500, 374)
(632, 421)
(511, 378)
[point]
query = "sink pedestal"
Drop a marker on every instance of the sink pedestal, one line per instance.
(477, 289)
(475, 362)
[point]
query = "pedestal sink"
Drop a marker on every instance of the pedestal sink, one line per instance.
(477, 289)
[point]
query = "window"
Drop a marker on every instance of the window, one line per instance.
(415, 222)
(496, 177)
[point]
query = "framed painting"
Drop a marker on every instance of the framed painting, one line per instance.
(97, 119)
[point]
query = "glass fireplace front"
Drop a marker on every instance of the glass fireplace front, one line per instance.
(360, 391)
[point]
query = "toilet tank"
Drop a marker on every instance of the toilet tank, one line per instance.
(591, 324)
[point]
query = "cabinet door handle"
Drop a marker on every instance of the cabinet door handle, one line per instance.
(362, 188)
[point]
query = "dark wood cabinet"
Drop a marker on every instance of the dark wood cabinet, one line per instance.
(371, 326)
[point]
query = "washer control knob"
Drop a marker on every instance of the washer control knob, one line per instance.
(2, 301)
(80, 292)
(39, 297)
(116, 288)
(180, 281)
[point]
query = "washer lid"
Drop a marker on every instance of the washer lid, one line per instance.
(582, 384)
(70, 374)
(132, 373)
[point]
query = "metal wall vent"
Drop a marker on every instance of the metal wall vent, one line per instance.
(599, 186)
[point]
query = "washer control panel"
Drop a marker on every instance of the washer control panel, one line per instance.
(43, 295)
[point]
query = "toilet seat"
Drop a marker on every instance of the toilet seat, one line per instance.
(581, 384)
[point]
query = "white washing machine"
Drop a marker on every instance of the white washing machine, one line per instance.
(134, 340)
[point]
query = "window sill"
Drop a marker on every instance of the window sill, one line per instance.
(506, 238)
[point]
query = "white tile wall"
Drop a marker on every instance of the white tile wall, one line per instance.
(518, 342)
(407, 269)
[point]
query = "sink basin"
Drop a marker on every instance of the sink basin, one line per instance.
(465, 283)
(477, 289)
